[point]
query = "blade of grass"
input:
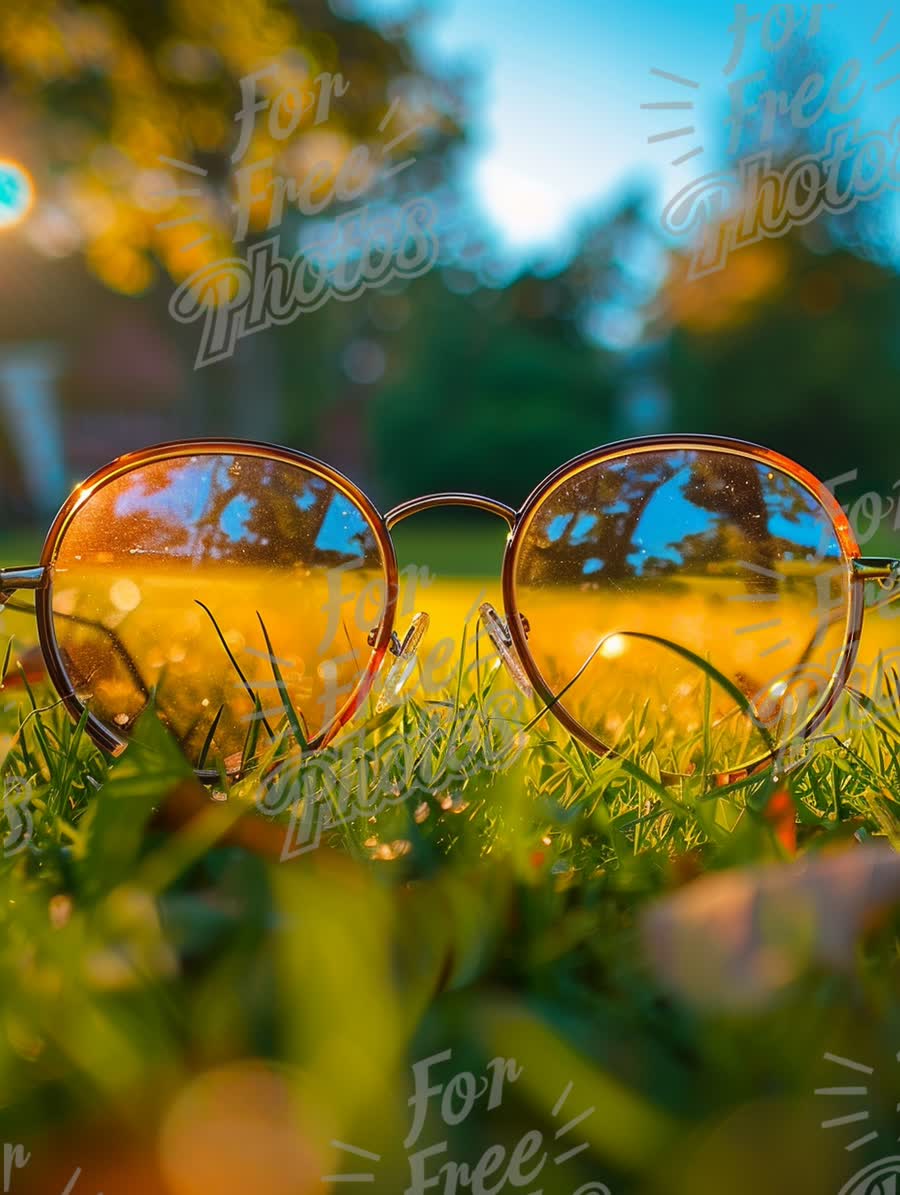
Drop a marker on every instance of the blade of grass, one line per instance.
(207, 742)
(235, 665)
(288, 705)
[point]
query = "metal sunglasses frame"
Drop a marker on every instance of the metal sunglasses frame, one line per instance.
(39, 578)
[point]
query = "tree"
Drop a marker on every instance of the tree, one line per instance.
(793, 343)
(125, 115)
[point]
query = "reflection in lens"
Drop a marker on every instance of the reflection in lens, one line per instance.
(723, 556)
(166, 575)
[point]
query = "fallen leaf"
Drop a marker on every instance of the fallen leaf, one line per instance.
(736, 939)
(781, 815)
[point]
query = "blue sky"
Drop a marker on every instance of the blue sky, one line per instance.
(189, 484)
(561, 127)
(670, 518)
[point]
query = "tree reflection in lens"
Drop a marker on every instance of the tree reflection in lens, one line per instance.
(720, 554)
(246, 538)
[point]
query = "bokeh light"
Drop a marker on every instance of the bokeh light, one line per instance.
(16, 193)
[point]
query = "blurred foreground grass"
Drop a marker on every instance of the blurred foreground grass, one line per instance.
(183, 1012)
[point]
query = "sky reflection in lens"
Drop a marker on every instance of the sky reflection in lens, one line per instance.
(161, 564)
(717, 553)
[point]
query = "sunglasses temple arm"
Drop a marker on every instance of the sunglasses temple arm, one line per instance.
(118, 646)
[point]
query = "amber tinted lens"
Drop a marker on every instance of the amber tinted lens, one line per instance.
(714, 552)
(254, 540)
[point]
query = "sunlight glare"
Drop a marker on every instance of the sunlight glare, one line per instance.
(613, 647)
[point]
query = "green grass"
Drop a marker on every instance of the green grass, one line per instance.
(467, 547)
(21, 547)
(484, 898)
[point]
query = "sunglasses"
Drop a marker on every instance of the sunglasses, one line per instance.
(694, 596)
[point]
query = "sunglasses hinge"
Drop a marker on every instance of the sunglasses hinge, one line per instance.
(883, 569)
(21, 578)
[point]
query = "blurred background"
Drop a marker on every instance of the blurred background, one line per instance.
(558, 314)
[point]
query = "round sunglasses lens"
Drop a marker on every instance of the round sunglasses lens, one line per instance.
(692, 604)
(237, 592)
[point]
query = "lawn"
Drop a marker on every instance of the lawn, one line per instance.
(488, 941)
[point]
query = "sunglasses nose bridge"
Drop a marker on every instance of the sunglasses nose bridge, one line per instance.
(431, 501)
(404, 652)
